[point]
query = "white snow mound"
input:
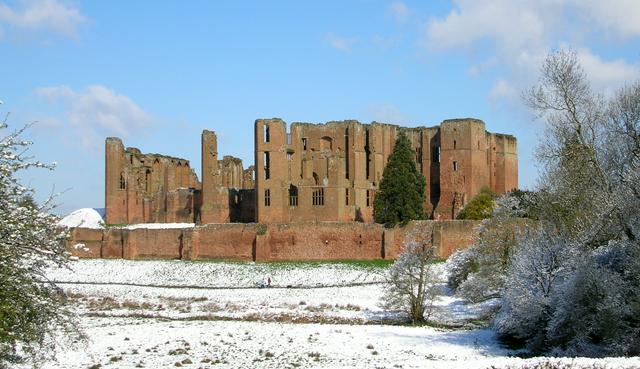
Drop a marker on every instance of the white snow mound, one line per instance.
(85, 218)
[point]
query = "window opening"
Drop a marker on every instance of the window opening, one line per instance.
(267, 197)
(435, 155)
(318, 197)
(267, 169)
(293, 195)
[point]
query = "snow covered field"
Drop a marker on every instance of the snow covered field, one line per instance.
(158, 314)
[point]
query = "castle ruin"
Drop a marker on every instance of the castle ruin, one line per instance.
(314, 172)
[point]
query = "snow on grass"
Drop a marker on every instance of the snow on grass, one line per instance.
(217, 274)
(85, 218)
(150, 343)
(162, 321)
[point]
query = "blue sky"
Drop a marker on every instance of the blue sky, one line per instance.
(156, 73)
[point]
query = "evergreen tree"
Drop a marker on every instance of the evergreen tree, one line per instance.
(401, 193)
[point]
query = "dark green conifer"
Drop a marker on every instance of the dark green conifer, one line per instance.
(400, 197)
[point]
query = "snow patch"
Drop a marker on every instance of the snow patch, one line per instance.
(159, 225)
(85, 218)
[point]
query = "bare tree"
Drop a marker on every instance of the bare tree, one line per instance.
(411, 282)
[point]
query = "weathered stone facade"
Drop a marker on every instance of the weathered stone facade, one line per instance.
(153, 188)
(330, 172)
(314, 172)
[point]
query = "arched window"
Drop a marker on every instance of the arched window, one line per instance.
(123, 183)
(315, 178)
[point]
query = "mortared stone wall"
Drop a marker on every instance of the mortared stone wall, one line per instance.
(273, 242)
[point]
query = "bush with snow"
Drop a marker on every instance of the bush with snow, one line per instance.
(32, 308)
(411, 282)
(572, 286)
(477, 273)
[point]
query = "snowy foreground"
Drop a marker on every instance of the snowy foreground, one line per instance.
(158, 314)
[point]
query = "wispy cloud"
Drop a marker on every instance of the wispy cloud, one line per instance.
(386, 113)
(399, 11)
(50, 16)
(343, 44)
(520, 34)
(95, 113)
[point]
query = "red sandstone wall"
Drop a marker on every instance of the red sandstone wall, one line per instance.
(223, 241)
(153, 244)
(273, 242)
(322, 241)
(90, 238)
(451, 236)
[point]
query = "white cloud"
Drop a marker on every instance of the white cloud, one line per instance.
(399, 11)
(340, 43)
(607, 75)
(502, 90)
(42, 16)
(620, 17)
(519, 34)
(97, 112)
(386, 113)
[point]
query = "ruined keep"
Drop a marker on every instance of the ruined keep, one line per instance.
(331, 171)
(314, 172)
(154, 188)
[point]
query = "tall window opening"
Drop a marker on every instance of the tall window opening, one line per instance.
(435, 155)
(346, 196)
(455, 166)
(267, 197)
(147, 180)
(418, 155)
(454, 144)
(304, 143)
(265, 132)
(367, 153)
(368, 197)
(289, 156)
(267, 169)
(318, 196)
(123, 183)
(293, 195)
(346, 154)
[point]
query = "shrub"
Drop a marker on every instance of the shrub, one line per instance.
(480, 207)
